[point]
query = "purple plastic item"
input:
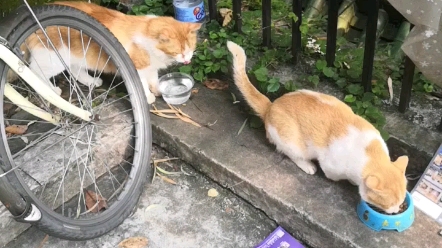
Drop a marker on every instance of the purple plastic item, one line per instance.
(280, 238)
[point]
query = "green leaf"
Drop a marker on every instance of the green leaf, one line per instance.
(368, 96)
(303, 29)
(207, 70)
(349, 98)
(273, 87)
(261, 74)
(337, 64)
(341, 83)
(355, 89)
(202, 57)
(290, 86)
(321, 64)
(136, 9)
(218, 53)
(256, 122)
(186, 69)
(143, 9)
(385, 135)
(353, 73)
(216, 67)
(373, 113)
(328, 72)
(224, 69)
(273, 81)
(314, 79)
(198, 76)
(293, 16)
(428, 87)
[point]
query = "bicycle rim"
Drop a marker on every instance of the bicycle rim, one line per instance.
(85, 177)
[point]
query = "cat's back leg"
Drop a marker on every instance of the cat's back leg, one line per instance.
(46, 64)
(81, 74)
(144, 75)
(286, 142)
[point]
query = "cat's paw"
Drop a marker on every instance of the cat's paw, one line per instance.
(57, 90)
(98, 82)
(307, 166)
(155, 90)
(150, 98)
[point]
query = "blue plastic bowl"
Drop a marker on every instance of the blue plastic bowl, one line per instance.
(378, 221)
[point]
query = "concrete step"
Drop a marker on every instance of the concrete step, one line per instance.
(319, 212)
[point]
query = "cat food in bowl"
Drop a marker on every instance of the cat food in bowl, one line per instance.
(176, 87)
(378, 220)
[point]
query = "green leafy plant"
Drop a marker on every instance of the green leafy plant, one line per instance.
(153, 7)
(211, 58)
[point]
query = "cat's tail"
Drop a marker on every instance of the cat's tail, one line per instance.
(259, 102)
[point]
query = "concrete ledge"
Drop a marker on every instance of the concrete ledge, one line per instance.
(316, 210)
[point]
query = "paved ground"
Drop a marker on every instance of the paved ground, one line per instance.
(181, 215)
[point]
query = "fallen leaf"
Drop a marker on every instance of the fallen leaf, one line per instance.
(30, 123)
(242, 126)
(94, 201)
(226, 14)
(164, 115)
(216, 84)
(174, 110)
(184, 114)
(188, 120)
(166, 179)
(156, 161)
(42, 243)
(133, 242)
(16, 129)
(25, 139)
(212, 193)
(432, 98)
(164, 111)
(195, 91)
(390, 88)
(150, 207)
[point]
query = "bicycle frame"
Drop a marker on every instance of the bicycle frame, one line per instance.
(22, 209)
(39, 86)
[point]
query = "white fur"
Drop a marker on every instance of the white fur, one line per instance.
(158, 60)
(46, 64)
(335, 160)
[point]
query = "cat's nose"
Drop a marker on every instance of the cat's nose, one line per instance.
(186, 62)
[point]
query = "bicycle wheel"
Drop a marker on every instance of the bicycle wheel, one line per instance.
(84, 177)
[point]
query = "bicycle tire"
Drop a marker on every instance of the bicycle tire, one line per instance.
(51, 222)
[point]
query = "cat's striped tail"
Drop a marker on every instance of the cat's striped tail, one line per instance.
(259, 102)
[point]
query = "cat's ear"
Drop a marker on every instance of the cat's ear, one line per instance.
(372, 182)
(194, 27)
(401, 163)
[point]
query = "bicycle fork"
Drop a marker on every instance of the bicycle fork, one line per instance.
(20, 208)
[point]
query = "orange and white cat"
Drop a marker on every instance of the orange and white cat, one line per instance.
(308, 125)
(152, 42)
